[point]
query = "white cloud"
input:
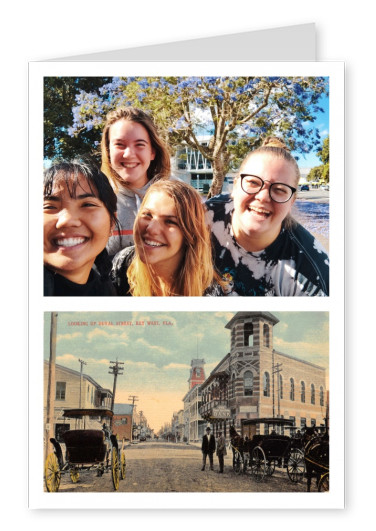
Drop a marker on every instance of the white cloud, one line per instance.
(68, 337)
(66, 358)
(147, 345)
(184, 366)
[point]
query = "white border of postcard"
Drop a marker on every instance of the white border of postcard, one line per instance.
(334, 304)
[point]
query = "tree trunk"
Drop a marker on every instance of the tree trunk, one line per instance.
(220, 167)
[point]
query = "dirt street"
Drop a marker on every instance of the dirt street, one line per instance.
(168, 467)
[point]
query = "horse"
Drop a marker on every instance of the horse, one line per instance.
(316, 457)
(237, 447)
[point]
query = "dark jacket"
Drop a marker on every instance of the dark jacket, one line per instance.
(59, 286)
(208, 447)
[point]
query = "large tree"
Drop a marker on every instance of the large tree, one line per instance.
(237, 112)
(59, 98)
(321, 173)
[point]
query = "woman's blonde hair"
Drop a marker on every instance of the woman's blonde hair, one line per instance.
(196, 272)
(275, 147)
(159, 168)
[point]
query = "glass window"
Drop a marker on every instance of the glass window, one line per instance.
(292, 389)
(248, 383)
(266, 336)
(60, 390)
(266, 384)
(321, 396)
(280, 386)
(312, 394)
(302, 391)
(303, 422)
(248, 335)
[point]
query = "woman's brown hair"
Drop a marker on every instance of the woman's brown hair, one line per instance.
(159, 168)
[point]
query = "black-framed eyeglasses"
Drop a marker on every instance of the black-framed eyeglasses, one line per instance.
(278, 192)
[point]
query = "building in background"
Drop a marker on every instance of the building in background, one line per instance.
(74, 389)
(254, 381)
(123, 421)
(193, 422)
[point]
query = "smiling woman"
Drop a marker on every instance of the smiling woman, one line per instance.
(259, 249)
(172, 253)
(79, 213)
(134, 157)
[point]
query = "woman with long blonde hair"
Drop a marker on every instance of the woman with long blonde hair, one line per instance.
(172, 255)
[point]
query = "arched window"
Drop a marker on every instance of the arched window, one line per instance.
(321, 396)
(302, 391)
(312, 394)
(248, 335)
(266, 384)
(266, 336)
(292, 389)
(280, 386)
(233, 336)
(248, 383)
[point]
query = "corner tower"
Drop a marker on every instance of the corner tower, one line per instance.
(197, 373)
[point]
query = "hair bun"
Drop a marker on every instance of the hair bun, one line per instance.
(273, 141)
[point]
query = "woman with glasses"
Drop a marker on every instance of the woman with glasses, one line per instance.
(260, 249)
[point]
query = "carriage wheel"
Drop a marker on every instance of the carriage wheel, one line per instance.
(258, 463)
(296, 466)
(74, 474)
(270, 467)
(122, 465)
(324, 483)
(115, 470)
(52, 474)
(238, 463)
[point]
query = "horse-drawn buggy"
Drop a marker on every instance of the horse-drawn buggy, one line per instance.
(85, 450)
(303, 455)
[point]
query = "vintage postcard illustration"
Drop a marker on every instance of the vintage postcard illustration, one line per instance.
(186, 402)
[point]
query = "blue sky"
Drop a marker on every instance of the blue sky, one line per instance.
(157, 356)
(311, 160)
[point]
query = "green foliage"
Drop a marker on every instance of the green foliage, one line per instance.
(237, 112)
(59, 98)
(321, 173)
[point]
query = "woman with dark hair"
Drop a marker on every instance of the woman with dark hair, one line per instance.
(260, 249)
(134, 157)
(79, 214)
(172, 253)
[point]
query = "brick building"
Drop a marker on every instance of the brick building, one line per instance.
(193, 422)
(123, 421)
(254, 381)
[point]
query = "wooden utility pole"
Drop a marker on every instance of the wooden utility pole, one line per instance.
(51, 386)
(115, 370)
(276, 369)
(134, 398)
(82, 362)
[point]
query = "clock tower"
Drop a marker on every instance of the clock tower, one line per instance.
(197, 373)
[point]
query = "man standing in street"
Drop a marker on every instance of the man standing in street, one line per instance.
(221, 451)
(207, 448)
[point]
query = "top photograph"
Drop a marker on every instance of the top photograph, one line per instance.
(186, 186)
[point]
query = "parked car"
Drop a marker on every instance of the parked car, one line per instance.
(304, 188)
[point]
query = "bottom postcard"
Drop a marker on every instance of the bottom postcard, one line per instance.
(188, 402)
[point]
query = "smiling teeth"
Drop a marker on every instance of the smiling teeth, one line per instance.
(70, 242)
(260, 211)
(153, 244)
(130, 165)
